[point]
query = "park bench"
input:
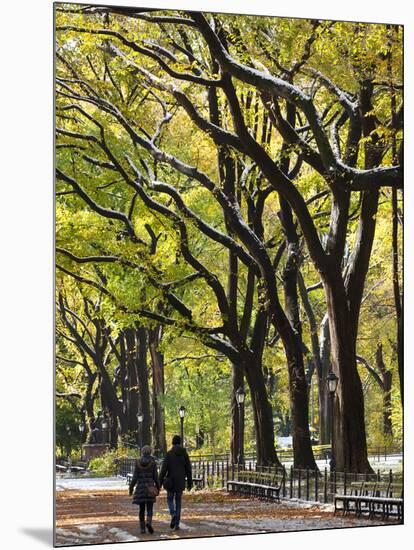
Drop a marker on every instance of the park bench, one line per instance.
(349, 501)
(372, 498)
(198, 482)
(77, 469)
(256, 484)
(386, 499)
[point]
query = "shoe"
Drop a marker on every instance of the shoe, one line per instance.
(149, 527)
(176, 527)
(142, 525)
(173, 520)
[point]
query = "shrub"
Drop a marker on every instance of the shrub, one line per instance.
(107, 464)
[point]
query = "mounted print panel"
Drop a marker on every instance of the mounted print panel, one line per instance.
(229, 224)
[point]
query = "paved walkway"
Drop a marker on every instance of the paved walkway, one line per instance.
(98, 515)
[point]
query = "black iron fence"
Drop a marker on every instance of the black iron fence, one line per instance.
(125, 466)
(320, 452)
(309, 485)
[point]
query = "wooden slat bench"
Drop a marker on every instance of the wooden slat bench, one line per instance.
(78, 469)
(385, 499)
(349, 501)
(198, 482)
(372, 498)
(256, 484)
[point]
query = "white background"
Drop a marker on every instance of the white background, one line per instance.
(26, 252)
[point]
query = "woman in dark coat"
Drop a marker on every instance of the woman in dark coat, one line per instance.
(147, 487)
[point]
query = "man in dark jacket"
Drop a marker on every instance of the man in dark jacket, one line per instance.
(175, 470)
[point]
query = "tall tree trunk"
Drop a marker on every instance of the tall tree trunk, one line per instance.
(262, 413)
(298, 393)
(157, 362)
(397, 293)
(323, 394)
(144, 395)
(344, 298)
(88, 404)
(386, 388)
(395, 254)
(321, 362)
(109, 398)
(123, 378)
(290, 332)
(292, 337)
(349, 422)
(132, 377)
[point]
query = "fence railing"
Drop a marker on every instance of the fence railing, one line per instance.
(314, 486)
(310, 485)
(320, 452)
(70, 463)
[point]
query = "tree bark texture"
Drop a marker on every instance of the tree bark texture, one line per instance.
(157, 363)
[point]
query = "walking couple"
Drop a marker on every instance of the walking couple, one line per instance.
(175, 470)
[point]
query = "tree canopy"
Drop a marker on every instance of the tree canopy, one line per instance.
(229, 212)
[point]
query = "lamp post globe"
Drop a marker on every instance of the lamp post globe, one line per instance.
(140, 419)
(181, 412)
(332, 382)
(240, 395)
(105, 426)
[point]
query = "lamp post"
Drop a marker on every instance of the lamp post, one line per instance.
(68, 445)
(81, 430)
(181, 412)
(332, 381)
(140, 418)
(105, 426)
(240, 397)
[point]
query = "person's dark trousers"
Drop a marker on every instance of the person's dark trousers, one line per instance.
(150, 506)
(174, 504)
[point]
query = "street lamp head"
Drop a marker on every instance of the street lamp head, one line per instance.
(332, 381)
(68, 429)
(181, 411)
(81, 427)
(105, 424)
(240, 395)
(140, 417)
